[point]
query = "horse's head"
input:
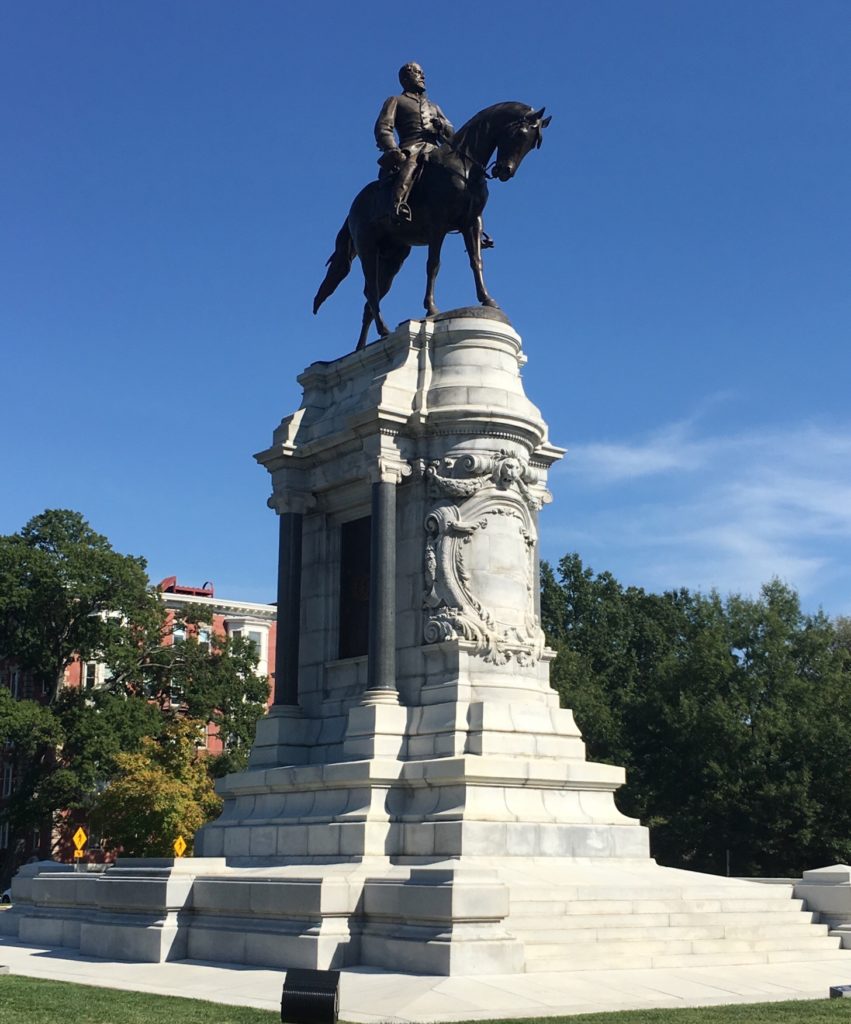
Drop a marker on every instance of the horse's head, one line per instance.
(516, 140)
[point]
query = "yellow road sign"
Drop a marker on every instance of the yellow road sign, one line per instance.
(80, 838)
(179, 846)
(78, 854)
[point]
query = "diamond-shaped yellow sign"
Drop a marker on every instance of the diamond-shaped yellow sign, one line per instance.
(179, 846)
(80, 838)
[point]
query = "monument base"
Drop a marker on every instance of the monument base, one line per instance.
(472, 916)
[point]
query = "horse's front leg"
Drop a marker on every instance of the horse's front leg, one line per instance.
(473, 242)
(432, 267)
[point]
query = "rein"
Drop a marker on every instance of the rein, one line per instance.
(486, 171)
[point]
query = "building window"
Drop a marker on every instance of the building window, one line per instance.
(4, 836)
(204, 638)
(15, 684)
(179, 634)
(91, 675)
(7, 779)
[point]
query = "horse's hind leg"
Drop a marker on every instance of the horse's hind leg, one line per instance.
(370, 261)
(367, 320)
(389, 264)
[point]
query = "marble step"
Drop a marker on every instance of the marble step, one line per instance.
(590, 958)
(640, 893)
(603, 922)
(755, 932)
(534, 908)
(779, 956)
(778, 918)
(654, 944)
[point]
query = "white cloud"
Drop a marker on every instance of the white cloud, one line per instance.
(677, 508)
(668, 449)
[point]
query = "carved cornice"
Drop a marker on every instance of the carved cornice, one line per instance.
(237, 609)
(284, 501)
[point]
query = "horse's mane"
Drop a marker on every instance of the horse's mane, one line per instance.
(499, 112)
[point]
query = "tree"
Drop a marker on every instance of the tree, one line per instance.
(66, 594)
(29, 734)
(161, 792)
(96, 727)
(212, 681)
(731, 717)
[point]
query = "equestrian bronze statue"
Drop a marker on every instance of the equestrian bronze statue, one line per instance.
(449, 194)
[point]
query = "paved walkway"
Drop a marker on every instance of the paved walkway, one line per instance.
(371, 996)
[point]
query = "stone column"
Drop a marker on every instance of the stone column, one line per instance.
(381, 664)
(290, 505)
(281, 738)
(381, 671)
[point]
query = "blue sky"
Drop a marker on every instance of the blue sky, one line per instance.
(677, 259)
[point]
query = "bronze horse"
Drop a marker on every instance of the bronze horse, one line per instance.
(449, 196)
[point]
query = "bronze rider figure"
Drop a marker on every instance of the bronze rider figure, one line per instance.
(421, 126)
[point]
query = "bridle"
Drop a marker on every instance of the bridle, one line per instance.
(487, 171)
(465, 158)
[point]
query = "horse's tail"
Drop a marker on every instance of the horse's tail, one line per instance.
(339, 264)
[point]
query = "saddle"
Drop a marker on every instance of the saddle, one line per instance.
(390, 164)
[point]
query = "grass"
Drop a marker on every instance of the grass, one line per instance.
(37, 1001)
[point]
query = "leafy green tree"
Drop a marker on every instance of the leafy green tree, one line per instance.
(66, 594)
(96, 726)
(29, 734)
(161, 792)
(731, 717)
(62, 754)
(213, 681)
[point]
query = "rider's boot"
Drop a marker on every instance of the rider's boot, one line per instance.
(402, 189)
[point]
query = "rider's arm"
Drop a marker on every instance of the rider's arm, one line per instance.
(446, 129)
(384, 137)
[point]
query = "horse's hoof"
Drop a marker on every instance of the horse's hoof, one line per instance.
(492, 303)
(431, 310)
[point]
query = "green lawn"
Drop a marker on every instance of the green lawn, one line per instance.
(35, 1001)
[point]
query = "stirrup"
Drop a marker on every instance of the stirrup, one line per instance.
(403, 211)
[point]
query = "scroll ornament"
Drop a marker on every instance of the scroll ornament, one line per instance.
(502, 471)
(480, 558)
